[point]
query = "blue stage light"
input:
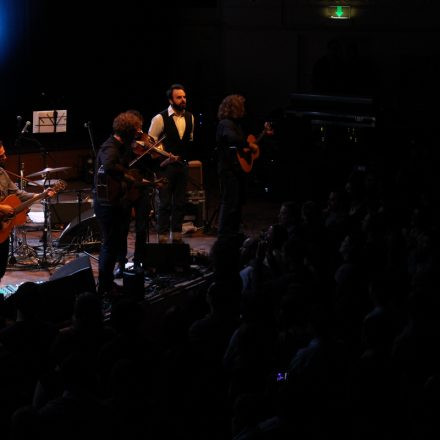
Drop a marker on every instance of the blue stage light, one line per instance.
(4, 30)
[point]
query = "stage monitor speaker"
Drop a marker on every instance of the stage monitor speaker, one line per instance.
(195, 208)
(195, 176)
(167, 257)
(62, 213)
(85, 232)
(59, 292)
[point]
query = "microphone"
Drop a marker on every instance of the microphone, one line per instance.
(87, 124)
(18, 122)
(26, 126)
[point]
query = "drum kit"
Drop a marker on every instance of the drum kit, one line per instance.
(45, 254)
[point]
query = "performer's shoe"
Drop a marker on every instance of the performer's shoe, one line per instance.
(163, 238)
(138, 267)
(119, 271)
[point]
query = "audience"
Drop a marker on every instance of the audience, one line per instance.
(323, 325)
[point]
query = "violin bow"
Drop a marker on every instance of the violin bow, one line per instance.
(148, 150)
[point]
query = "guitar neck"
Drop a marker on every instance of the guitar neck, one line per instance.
(260, 136)
(267, 127)
(29, 202)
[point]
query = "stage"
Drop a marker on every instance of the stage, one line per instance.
(38, 257)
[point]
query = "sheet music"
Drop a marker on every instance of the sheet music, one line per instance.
(49, 121)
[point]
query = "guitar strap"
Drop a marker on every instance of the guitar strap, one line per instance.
(102, 187)
(7, 187)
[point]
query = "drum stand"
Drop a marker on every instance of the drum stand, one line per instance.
(47, 233)
(22, 249)
(47, 237)
(12, 247)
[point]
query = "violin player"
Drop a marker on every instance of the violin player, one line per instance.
(111, 205)
(138, 204)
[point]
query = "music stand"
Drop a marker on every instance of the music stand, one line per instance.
(49, 121)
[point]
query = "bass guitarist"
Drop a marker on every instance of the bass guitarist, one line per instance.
(7, 187)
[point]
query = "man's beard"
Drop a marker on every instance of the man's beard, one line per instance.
(178, 107)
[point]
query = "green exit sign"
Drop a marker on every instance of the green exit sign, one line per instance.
(339, 12)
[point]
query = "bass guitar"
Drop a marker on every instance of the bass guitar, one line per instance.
(247, 155)
(18, 217)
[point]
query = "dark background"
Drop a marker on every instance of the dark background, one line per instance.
(96, 59)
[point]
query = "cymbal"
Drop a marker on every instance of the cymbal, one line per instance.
(48, 171)
(43, 182)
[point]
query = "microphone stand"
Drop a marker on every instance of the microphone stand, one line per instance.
(90, 159)
(47, 233)
(88, 125)
(79, 198)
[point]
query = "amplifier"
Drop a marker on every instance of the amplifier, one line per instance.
(195, 176)
(195, 195)
(195, 209)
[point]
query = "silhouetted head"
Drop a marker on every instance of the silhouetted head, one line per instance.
(28, 299)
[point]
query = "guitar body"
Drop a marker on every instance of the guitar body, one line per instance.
(253, 146)
(7, 222)
(6, 225)
(133, 190)
(247, 155)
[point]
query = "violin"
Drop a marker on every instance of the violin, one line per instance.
(142, 144)
(147, 145)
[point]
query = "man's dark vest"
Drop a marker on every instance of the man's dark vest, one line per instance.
(172, 142)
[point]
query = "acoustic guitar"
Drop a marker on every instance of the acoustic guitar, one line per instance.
(18, 217)
(247, 155)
